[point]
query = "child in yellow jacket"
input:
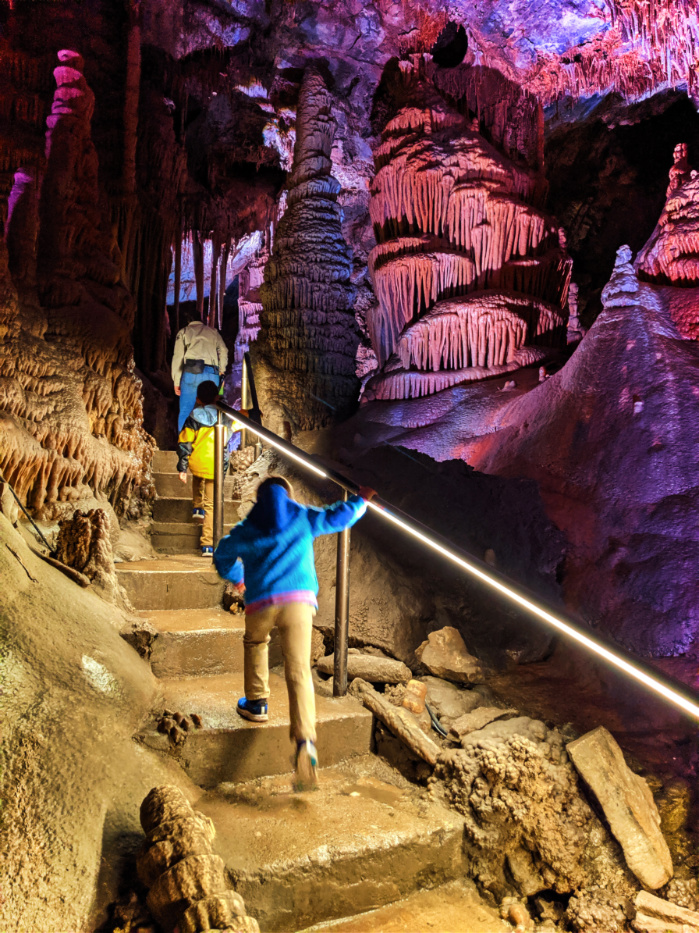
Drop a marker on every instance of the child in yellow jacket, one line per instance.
(196, 451)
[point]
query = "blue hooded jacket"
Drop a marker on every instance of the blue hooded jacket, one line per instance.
(274, 544)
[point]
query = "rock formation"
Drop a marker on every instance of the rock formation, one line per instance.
(188, 887)
(529, 829)
(70, 405)
(469, 273)
(671, 255)
(308, 337)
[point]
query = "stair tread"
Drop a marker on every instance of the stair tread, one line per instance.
(215, 698)
(175, 563)
(168, 621)
(455, 906)
(352, 798)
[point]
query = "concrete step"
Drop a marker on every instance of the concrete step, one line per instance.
(229, 748)
(364, 839)
(176, 544)
(180, 510)
(169, 485)
(200, 643)
(164, 461)
(178, 582)
(456, 907)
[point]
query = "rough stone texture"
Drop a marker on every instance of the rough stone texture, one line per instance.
(307, 331)
(448, 701)
(468, 271)
(444, 654)
(655, 915)
(670, 255)
(472, 722)
(528, 827)
(627, 803)
(373, 669)
(188, 885)
(73, 695)
(70, 404)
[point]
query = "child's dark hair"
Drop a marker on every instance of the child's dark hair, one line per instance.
(276, 481)
(207, 392)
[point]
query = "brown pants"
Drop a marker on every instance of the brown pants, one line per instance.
(295, 624)
(203, 498)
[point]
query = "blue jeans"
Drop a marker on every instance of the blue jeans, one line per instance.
(188, 391)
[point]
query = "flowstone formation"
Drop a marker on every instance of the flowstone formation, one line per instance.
(671, 255)
(70, 404)
(308, 338)
(529, 830)
(469, 272)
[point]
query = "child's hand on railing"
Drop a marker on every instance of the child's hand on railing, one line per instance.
(367, 493)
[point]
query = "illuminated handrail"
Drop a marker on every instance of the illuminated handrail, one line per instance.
(666, 687)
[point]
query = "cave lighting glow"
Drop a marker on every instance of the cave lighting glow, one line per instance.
(530, 605)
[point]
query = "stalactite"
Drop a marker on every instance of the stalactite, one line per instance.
(308, 334)
(213, 287)
(467, 268)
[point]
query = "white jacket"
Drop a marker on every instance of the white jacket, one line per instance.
(196, 341)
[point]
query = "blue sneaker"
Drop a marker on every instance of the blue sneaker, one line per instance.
(198, 515)
(254, 710)
(207, 551)
(306, 764)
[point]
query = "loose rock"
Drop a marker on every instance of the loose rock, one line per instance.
(472, 722)
(372, 669)
(627, 803)
(444, 654)
(654, 915)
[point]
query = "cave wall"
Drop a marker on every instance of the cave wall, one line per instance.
(71, 411)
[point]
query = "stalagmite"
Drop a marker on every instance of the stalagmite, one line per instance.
(468, 270)
(188, 884)
(671, 255)
(70, 405)
(308, 336)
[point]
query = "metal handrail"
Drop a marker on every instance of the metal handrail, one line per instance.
(667, 687)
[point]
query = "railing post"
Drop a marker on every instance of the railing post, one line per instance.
(341, 612)
(219, 443)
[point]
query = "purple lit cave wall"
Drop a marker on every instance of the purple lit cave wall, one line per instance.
(470, 235)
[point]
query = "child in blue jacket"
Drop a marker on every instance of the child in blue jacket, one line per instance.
(272, 551)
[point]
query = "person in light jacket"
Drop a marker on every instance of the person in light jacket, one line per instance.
(270, 556)
(200, 355)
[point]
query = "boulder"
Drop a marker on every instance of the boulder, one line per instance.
(373, 669)
(444, 654)
(627, 803)
(449, 701)
(480, 717)
(654, 915)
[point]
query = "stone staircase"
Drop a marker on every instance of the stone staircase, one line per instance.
(173, 531)
(362, 843)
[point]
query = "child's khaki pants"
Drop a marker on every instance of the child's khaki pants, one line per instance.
(203, 498)
(295, 624)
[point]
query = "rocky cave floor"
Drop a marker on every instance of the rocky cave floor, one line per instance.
(516, 837)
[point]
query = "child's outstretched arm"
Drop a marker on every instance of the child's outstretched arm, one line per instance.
(340, 515)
